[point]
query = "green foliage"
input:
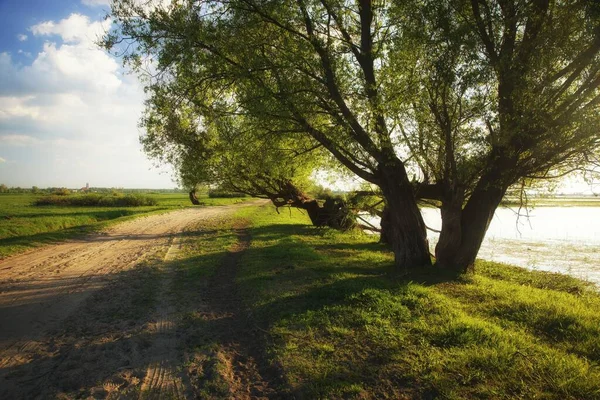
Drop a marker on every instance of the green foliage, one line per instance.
(216, 146)
(222, 193)
(61, 192)
(238, 134)
(320, 192)
(432, 85)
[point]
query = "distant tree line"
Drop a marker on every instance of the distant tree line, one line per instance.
(66, 191)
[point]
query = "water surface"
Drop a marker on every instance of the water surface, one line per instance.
(556, 239)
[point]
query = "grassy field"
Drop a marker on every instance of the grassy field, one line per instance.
(341, 325)
(23, 225)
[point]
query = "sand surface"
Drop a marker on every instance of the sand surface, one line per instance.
(70, 319)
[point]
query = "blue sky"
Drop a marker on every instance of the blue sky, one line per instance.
(68, 110)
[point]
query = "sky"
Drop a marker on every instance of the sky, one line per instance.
(69, 111)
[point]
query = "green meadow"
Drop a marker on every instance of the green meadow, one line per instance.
(339, 324)
(24, 225)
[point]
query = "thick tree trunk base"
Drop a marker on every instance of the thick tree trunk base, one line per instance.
(385, 227)
(403, 225)
(333, 214)
(463, 230)
(194, 199)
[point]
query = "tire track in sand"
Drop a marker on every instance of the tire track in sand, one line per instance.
(161, 378)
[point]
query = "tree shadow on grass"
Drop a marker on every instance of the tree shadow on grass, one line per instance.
(279, 231)
(304, 277)
(292, 284)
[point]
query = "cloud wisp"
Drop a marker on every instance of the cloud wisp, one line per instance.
(95, 3)
(72, 111)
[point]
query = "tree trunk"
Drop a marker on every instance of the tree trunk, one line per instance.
(450, 238)
(194, 199)
(405, 229)
(385, 226)
(334, 213)
(460, 242)
(475, 220)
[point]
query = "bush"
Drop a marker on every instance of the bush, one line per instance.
(61, 192)
(320, 192)
(97, 200)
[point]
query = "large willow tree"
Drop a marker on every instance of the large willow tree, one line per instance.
(449, 100)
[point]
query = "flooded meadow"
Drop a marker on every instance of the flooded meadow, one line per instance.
(563, 239)
(556, 239)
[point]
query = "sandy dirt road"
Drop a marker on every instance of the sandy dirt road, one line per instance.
(75, 315)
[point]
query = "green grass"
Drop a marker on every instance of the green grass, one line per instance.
(24, 226)
(97, 200)
(344, 327)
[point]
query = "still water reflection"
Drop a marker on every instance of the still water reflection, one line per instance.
(556, 239)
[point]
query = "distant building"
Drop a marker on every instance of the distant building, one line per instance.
(86, 188)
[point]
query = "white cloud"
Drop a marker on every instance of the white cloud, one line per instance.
(11, 107)
(77, 65)
(96, 2)
(19, 140)
(72, 114)
(25, 53)
(76, 28)
(22, 37)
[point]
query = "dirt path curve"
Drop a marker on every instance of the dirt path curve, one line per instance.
(39, 290)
